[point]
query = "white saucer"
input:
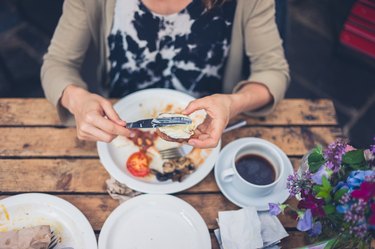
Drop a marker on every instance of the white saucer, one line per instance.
(279, 194)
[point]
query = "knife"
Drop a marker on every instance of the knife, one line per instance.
(159, 122)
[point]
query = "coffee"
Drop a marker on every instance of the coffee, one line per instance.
(255, 169)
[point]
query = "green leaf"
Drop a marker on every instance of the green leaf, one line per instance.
(315, 160)
(330, 244)
(329, 209)
(326, 184)
(339, 194)
(324, 195)
(354, 157)
(316, 188)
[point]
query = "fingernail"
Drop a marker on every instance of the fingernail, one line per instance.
(132, 134)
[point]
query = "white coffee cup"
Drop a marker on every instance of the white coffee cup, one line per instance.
(232, 176)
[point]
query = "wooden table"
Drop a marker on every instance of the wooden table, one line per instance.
(37, 154)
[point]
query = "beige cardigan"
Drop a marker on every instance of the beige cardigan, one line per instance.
(254, 34)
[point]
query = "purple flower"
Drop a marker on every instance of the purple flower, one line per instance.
(274, 209)
(372, 147)
(297, 183)
(305, 221)
(356, 177)
(313, 204)
(333, 154)
(316, 229)
(323, 171)
(355, 217)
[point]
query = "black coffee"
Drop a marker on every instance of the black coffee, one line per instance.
(255, 169)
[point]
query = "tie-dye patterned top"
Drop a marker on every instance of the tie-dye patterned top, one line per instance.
(185, 51)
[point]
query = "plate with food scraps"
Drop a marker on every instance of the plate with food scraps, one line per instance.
(137, 162)
(154, 221)
(68, 224)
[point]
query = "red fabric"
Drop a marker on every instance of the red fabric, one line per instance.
(359, 29)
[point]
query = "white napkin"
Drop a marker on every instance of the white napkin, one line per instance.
(246, 229)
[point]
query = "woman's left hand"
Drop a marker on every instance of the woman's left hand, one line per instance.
(219, 110)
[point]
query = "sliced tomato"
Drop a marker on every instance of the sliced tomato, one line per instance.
(137, 164)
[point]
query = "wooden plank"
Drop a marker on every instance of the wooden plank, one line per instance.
(62, 142)
(97, 208)
(16, 112)
(46, 175)
(69, 176)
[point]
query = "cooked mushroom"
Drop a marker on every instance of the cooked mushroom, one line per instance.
(169, 166)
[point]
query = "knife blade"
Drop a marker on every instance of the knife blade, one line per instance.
(159, 122)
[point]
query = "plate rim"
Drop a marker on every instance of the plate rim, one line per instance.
(138, 200)
(144, 187)
(60, 204)
(223, 190)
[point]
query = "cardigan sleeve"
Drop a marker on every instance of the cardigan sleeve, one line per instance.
(62, 63)
(263, 46)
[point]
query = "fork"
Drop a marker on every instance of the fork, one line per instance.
(53, 242)
(177, 152)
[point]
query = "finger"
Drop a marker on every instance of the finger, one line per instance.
(111, 113)
(110, 127)
(96, 134)
(208, 142)
(195, 105)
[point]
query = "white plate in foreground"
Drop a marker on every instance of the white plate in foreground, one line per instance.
(157, 222)
(65, 220)
(147, 104)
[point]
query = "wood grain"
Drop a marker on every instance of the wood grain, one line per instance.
(70, 176)
(26, 112)
(97, 208)
(62, 142)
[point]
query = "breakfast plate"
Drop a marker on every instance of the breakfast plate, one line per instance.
(69, 225)
(149, 104)
(154, 221)
(278, 195)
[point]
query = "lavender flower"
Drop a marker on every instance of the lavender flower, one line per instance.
(316, 229)
(305, 220)
(345, 203)
(372, 147)
(297, 183)
(276, 209)
(323, 171)
(355, 216)
(333, 154)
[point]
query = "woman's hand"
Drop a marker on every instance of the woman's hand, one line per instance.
(95, 117)
(219, 111)
(221, 108)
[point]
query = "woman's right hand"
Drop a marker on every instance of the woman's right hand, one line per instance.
(96, 120)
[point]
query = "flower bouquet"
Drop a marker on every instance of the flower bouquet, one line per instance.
(335, 189)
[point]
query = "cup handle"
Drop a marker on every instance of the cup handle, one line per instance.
(227, 175)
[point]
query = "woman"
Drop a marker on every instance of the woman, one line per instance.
(194, 46)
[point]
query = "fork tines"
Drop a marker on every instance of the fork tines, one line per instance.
(171, 153)
(53, 242)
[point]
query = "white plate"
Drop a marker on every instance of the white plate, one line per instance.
(146, 104)
(154, 221)
(67, 222)
(279, 194)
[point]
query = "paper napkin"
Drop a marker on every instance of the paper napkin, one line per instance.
(247, 229)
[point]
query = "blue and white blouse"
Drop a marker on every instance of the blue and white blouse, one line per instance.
(185, 51)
